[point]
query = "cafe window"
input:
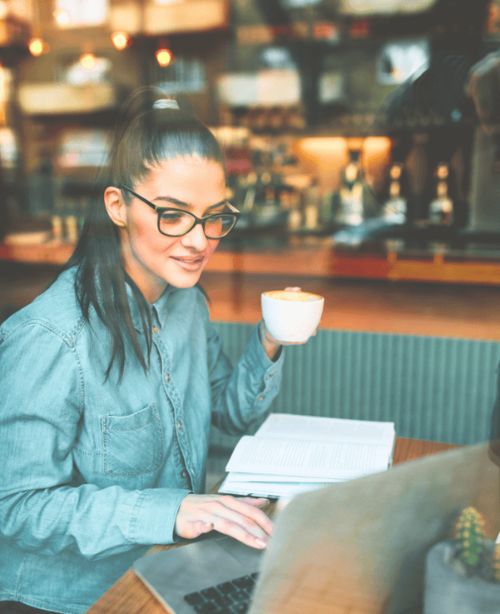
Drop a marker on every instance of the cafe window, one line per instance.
(79, 13)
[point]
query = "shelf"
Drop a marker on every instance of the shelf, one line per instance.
(314, 261)
(55, 253)
(62, 100)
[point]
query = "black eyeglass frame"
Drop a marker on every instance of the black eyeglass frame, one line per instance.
(233, 212)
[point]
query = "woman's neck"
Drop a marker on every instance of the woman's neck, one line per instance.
(151, 289)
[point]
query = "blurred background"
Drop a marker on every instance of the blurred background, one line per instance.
(361, 135)
(343, 118)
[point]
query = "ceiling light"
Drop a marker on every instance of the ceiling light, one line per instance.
(87, 60)
(61, 17)
(120, 40)
(37, 46)
(164, 56)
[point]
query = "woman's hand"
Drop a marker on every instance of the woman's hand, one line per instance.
(239, 517)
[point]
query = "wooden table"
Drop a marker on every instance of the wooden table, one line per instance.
(129, 595)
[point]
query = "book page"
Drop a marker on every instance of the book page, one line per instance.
(289, 426)
(237, 476)
(266, 489)
(308, 458)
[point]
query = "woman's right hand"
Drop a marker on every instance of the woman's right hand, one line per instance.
(238, 517)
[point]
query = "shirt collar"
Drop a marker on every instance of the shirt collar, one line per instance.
(158, 309)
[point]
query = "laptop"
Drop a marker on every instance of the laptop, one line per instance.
(356, 547)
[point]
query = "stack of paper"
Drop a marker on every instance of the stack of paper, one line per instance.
(291, 454)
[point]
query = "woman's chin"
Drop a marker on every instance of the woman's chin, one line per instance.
(185, 279)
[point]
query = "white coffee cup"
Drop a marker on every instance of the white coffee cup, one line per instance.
(291, 315)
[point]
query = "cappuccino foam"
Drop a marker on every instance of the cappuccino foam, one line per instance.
(291, 295)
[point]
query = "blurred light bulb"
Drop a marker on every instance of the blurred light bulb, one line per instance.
(120, 40)
(87, 60)
(4, 9)
(164, 57)
(61, 17)
(37, 46)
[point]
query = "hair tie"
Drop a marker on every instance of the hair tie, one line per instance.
(165, 103)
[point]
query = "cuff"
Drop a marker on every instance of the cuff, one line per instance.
(263, 368)
(258, 357)
(153, 516)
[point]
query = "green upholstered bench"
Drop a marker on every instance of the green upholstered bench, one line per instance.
(432, 387)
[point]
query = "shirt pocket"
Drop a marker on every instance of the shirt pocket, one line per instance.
(133, 444)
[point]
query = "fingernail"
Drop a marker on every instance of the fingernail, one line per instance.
(261, 543)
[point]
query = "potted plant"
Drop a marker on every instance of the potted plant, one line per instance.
(462, 575)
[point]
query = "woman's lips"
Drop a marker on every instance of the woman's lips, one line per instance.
(189, 263)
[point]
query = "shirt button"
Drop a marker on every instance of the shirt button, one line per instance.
(184, 474)
(167, 377)
(155, 330)
(179, 425)
(260, 397)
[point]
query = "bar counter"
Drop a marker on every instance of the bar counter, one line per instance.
(318, 256)
(422, 297)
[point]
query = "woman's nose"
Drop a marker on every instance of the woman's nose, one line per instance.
(195, 238)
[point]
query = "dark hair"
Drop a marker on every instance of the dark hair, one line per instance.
(150, 128)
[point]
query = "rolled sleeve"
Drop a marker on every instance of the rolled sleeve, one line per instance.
(242, 395)
(266, 370)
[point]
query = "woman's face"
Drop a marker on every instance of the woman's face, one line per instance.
(154, 260)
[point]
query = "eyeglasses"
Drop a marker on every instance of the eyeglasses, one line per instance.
(174, 222)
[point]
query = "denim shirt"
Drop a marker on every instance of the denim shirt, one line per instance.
(94, 470)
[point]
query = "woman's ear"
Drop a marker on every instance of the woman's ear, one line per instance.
(115, 206)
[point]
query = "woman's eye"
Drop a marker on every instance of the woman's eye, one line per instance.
(172, 216)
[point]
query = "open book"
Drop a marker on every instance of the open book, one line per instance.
(291, 454)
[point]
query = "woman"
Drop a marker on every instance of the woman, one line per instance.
(111, 378)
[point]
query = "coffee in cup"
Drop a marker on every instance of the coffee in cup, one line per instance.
(291, 315)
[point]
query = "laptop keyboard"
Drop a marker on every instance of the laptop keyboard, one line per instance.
(231, 597)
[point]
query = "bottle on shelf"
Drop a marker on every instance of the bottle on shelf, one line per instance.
(72, 229)
(395, 208)
(267, 210)
(350, 210)
(326, 210)
(56, 221)
(249, 189)
(417, 175)
(295, 218)
(441, 207)
(312, 203)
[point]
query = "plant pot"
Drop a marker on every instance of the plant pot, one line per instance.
(448, 592)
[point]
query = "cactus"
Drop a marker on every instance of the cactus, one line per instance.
(469, 536)
(473, 550)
